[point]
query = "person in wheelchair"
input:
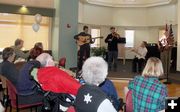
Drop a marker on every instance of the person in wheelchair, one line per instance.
(59, 87)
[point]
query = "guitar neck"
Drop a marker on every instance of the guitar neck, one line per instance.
(97, 37)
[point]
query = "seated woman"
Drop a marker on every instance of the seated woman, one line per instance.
(36, 50)
(94, 72)
(25, 84)
(148, 93)
(8, 68)
(12, 74)
(139, 59)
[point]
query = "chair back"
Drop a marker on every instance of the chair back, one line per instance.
(62, 62)
(12, 92)
(3, 80)
(129, 103)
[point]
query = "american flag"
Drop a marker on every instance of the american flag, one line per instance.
(170, 31)
(170, 37)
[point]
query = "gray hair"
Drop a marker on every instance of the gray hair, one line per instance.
(18, 42)
(44, 59)
(94, 70)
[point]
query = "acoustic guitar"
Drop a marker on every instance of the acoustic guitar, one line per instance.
(85, 39)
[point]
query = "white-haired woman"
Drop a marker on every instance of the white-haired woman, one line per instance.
(148, 93)
(46, 60)
(94, 72)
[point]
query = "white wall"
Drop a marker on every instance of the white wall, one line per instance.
(157, 16)
(80, 12)
(96, 15)
(129, 16)
(154, 16)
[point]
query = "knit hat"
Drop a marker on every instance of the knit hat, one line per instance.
(92, 99)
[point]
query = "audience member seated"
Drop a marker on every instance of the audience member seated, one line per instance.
(36, 51)
(148, 93)
(8, 68)
(139, 59)
(52, 78)
(38, 45)
(25, 84)
(20, 79)
(94, 72)
(91, 98)
(17, 49)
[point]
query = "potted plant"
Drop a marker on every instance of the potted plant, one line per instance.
(98, 51)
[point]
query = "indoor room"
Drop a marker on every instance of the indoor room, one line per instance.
(101, 55)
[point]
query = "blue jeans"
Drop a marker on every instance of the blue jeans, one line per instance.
(112, 57)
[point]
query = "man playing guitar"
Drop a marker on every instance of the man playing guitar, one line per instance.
(83, 40)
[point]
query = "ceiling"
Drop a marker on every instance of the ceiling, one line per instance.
(110, 3)
(32, 3)
(129, 3)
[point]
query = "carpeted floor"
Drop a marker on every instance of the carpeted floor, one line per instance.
(125, 71)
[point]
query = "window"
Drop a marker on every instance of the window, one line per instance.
(129, 34)
(161, 33)
(13, 26)
(95, 33)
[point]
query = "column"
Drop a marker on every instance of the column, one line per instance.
(65, 26)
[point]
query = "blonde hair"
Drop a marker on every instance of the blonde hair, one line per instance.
(94, 70)
(153, 68)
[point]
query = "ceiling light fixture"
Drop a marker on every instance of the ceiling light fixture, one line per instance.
(23, 9)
